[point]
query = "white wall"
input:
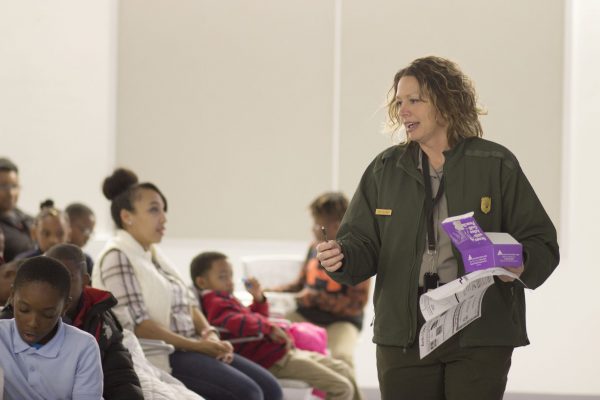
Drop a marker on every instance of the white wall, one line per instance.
(563, 315)
(228, 105)
(57, 98)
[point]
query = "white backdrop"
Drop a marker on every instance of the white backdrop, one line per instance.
(57, 99)
(563, 314)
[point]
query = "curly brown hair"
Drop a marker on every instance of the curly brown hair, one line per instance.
(451, 92)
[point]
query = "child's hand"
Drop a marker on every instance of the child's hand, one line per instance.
(253, 287)
(278, 335)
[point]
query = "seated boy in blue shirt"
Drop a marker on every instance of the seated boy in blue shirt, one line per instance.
(42, 357)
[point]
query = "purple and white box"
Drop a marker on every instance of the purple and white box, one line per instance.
(481, 250)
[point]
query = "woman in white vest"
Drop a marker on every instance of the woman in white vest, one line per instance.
(155, 303)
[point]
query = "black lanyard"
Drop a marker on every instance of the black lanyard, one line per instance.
(430, 201)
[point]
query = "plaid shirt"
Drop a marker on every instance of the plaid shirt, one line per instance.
(117, 274)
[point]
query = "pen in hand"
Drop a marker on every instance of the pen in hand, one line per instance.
(324, 232)
(324, 250)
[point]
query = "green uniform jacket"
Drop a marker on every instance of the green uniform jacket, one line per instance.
(392, 246)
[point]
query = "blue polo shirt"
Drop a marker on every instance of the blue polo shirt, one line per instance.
(67, 367)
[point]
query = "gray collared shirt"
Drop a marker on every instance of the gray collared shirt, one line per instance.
(442, 261)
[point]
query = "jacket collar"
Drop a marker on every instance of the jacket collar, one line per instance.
(92, 301)
(409, 153)
(407, 160)
(455, 153)
(17, 219)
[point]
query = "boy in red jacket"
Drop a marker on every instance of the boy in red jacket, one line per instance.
(273, 349)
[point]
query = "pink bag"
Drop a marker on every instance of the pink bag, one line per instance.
(309, 337)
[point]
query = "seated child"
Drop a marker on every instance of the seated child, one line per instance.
(321, 300)
(212, 274)
(50, 227)
(42, 357)
(90, 311)
(82, 222)
(7, 277)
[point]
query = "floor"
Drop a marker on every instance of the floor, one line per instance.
(373, 394)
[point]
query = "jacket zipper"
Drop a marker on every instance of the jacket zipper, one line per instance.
(414, 278)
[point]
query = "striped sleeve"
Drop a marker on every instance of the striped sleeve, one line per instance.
(228, 313)
(118, 276)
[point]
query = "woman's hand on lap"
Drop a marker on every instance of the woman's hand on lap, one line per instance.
(214, 348)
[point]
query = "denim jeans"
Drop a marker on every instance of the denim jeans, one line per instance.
(215, 380)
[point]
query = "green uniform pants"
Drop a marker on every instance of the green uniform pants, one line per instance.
(448, 373)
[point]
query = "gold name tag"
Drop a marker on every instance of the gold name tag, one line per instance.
(383, 211)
